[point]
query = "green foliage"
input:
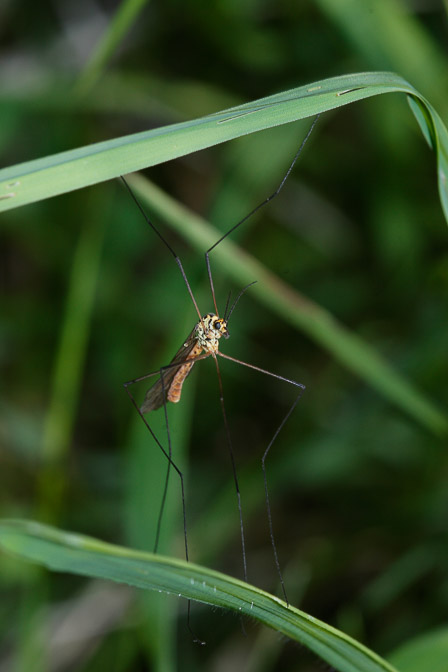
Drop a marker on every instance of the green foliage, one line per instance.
(352, 276)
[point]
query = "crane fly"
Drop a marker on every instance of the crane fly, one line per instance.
(203, 342)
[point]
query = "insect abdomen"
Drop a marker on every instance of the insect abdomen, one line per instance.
(175, 389)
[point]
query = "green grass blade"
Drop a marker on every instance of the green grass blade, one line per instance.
(74, 336)
(66, 552)
(125, 16)
(69, 363)
(293, 307)
(52, 175)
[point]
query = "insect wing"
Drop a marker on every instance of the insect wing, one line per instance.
(157, 394)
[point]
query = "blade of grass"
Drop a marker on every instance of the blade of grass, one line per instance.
(62, 551)
(35, 180)
(125, 16)
(64, 396)
(69, 362)
(295, 308)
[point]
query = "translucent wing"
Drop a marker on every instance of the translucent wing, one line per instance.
(172, 387)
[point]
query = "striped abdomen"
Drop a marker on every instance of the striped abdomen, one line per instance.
(175, 388)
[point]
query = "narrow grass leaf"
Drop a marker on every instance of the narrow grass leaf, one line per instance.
(125, 16)
(67, 552)
(35, 180)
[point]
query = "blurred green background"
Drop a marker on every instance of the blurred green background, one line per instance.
(90, 299)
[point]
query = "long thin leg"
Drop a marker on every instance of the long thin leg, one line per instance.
(252, 212)
(265, 454)
(171, 463)
(168, 454)
(165, 242)
(266, 490)
(235, 475)
(167, 477)
(196, 639)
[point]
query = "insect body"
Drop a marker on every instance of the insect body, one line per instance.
(203, 339)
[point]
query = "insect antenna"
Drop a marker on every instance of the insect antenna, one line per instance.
(164, 241)
(227, 305)
(256, 209)
(227, 315)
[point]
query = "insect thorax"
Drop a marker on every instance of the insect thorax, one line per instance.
(209, 330)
